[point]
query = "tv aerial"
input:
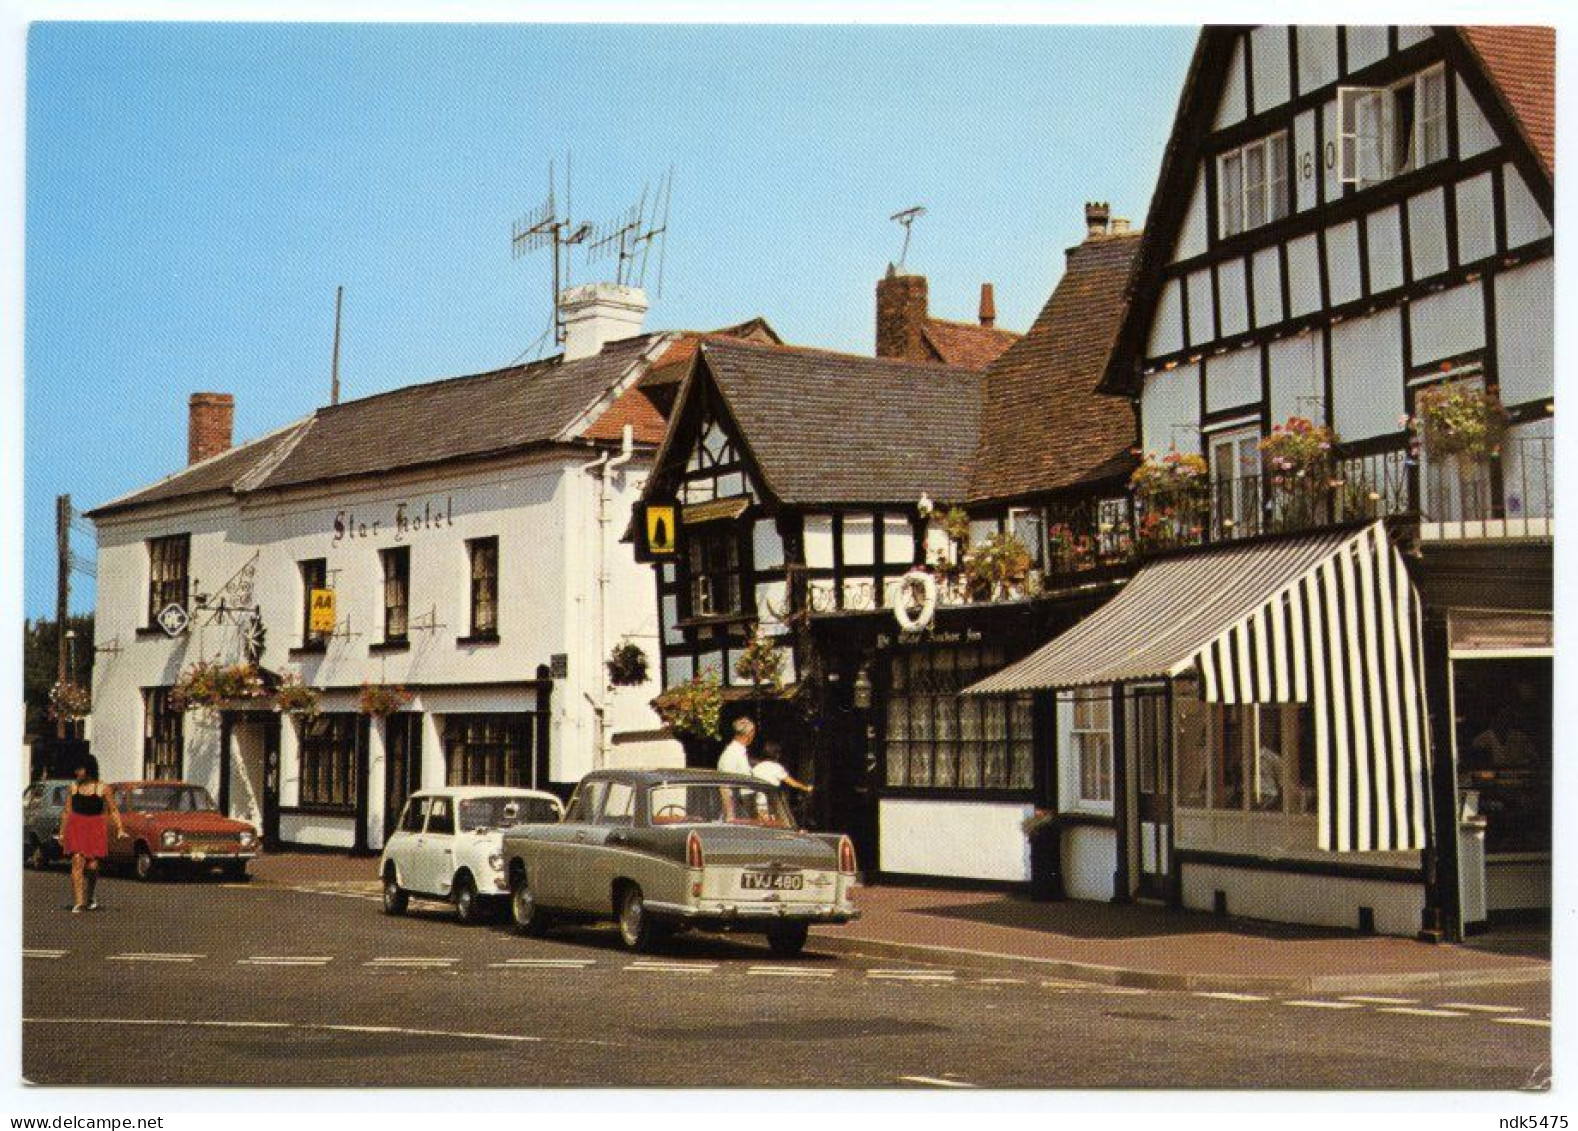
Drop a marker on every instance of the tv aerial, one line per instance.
(629, 238)
(906, 219)
(546, 226)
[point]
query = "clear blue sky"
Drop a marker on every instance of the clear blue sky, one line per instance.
(195, 193)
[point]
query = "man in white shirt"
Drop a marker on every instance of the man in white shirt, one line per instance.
(769, 769)
(736, 756)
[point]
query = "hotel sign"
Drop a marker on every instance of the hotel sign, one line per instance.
(656, 531)
(408, 519)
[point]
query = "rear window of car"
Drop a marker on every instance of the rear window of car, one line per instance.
(503, 811)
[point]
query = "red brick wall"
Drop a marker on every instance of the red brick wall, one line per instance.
(211, 417)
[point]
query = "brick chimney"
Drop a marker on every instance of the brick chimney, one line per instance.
(988, 313)
(210, 418)
(1097, 213)
(901, 316)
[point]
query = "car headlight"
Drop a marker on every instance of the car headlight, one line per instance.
(247, 838)
(171, 838)
(496, 861)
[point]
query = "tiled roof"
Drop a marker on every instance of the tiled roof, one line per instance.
(966, 344)
(634, 407)
(217, 474)
(837, 428)
(1043, 425)
(1521, 61)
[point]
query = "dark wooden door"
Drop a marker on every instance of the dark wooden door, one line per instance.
(1147, 736)
(403, 764)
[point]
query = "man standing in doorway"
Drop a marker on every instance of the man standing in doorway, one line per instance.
(736, 757)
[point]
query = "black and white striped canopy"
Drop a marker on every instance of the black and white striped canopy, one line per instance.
(1330, 620)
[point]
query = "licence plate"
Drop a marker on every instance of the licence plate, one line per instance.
(772, 881)
(199, 855)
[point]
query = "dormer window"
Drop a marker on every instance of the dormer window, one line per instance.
(1387, 131)
(1252, 184)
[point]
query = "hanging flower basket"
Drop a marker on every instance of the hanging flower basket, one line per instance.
(209, 685)
(383, 699)
(293, 697)
(69, 701)
(1299, 450)
(760, 663)
(1171, 493)
(627, 665)
(997, 568)
(693, 709)
(1460, 420)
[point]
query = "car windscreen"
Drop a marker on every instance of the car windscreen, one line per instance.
(503, 811)
(168, 799)
(691, 803)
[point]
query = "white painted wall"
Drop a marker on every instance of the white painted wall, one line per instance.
(1231, 108)
(1268, 287)
(1427, 235)
(1297, 377)
(1317, 56)
(1090, 857)
(1232, 379)
(1384, 234)
(1342, 262)
(1476, 218)
(1192, 231)
(1303, 276)
(1167, 323)
(1233, 293)
(971, 840)
(1366, 45)
(1367, 375)
(1269, 50)
(1474, 132)
(1202, 327)
(1170, 410)
(1448, 323)
(1525, 341)
(1285, 897)
(1525, 221)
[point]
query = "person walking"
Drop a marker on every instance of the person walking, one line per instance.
(767, 767)
(736, 756)
(84, 831)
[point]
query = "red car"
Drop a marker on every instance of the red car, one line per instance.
(176, 824)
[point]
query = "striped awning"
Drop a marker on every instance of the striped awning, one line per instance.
(1330, 620)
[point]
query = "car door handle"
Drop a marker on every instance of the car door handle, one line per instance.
(581, 837)
(617, 838)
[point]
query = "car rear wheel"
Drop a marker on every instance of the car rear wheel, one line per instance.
(395, 898)
(787, 940)
(36, 855)
(529, 918)
(637, 929)
(143, 864)
(468, 907)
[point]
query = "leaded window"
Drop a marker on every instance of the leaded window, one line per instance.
(936, 738)
(397, 593)
(484, 554)
(329, 743)
(162, 736)
(713, 555)
(491, 749)
(167, 573)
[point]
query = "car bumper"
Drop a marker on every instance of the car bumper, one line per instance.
(728, 913)
(205, 856)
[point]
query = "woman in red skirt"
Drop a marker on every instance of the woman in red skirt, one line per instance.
(84, 831)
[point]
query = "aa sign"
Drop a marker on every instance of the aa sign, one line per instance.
(320, 617)
(660, 529)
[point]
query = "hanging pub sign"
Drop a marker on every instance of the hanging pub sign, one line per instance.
(656, 531)
(321, 611)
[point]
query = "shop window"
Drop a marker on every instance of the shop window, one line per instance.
(488, 750)
(167, 573)
(314, 575)
(162, 736)
(1085, 735)
(1256, 758)
(397, 593)
(713, 555)
(1387, 131)
(1504, 747)
(484, 556)
(936, 738)
(328, 760)
(1252, 184)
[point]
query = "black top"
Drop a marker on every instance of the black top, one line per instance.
(87, 804)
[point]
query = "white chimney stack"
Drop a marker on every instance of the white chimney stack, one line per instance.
(598, 313)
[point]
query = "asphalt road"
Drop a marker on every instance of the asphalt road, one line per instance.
(201, 983)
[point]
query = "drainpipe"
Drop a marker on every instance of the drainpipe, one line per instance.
(604, 466)
(592, 467)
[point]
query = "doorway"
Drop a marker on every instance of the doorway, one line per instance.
(403, 763)
(1146, 735)
(249, 772)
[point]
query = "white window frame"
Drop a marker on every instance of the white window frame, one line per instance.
(1273, 153)
(1367, 128)
(1038, 521)
(1245, 486)
(1071, 752)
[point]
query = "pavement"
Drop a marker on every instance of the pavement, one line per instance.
(1138, 945)
(300, 980)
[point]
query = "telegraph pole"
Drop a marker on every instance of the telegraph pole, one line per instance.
(62, 593)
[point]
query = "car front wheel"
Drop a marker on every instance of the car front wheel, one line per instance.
(787, 940)
(143, 864)
(395, 898)
(468, 908)
(637, 929)
(529, 918)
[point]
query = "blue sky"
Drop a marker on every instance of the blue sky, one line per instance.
(195, 193)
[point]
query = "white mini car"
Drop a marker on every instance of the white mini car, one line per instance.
(449, 845)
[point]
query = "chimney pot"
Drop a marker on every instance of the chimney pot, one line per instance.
(209, 422)
(1097, 212)
(988, 313)
(901, 317)
(1120, 226)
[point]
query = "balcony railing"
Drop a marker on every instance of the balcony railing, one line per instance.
(1511, 497)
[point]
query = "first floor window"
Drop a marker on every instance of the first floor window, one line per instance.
(314, 576)
(1085, 727)
(1235, 482)
(713, 554)
(939, 739)
(329, 745)
(1252, 184)
(488, 750)
(162, 736)
(1259, 758)
(484, 553)
(397, 593)
(167, 573)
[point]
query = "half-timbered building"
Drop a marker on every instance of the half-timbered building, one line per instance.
(1329, 683)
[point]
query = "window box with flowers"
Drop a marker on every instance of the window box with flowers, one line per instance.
(210, 685)
(1171, 494)
(1298, 459)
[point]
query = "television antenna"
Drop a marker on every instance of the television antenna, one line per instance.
(629, 238)
(546, 226)
(906, 219)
